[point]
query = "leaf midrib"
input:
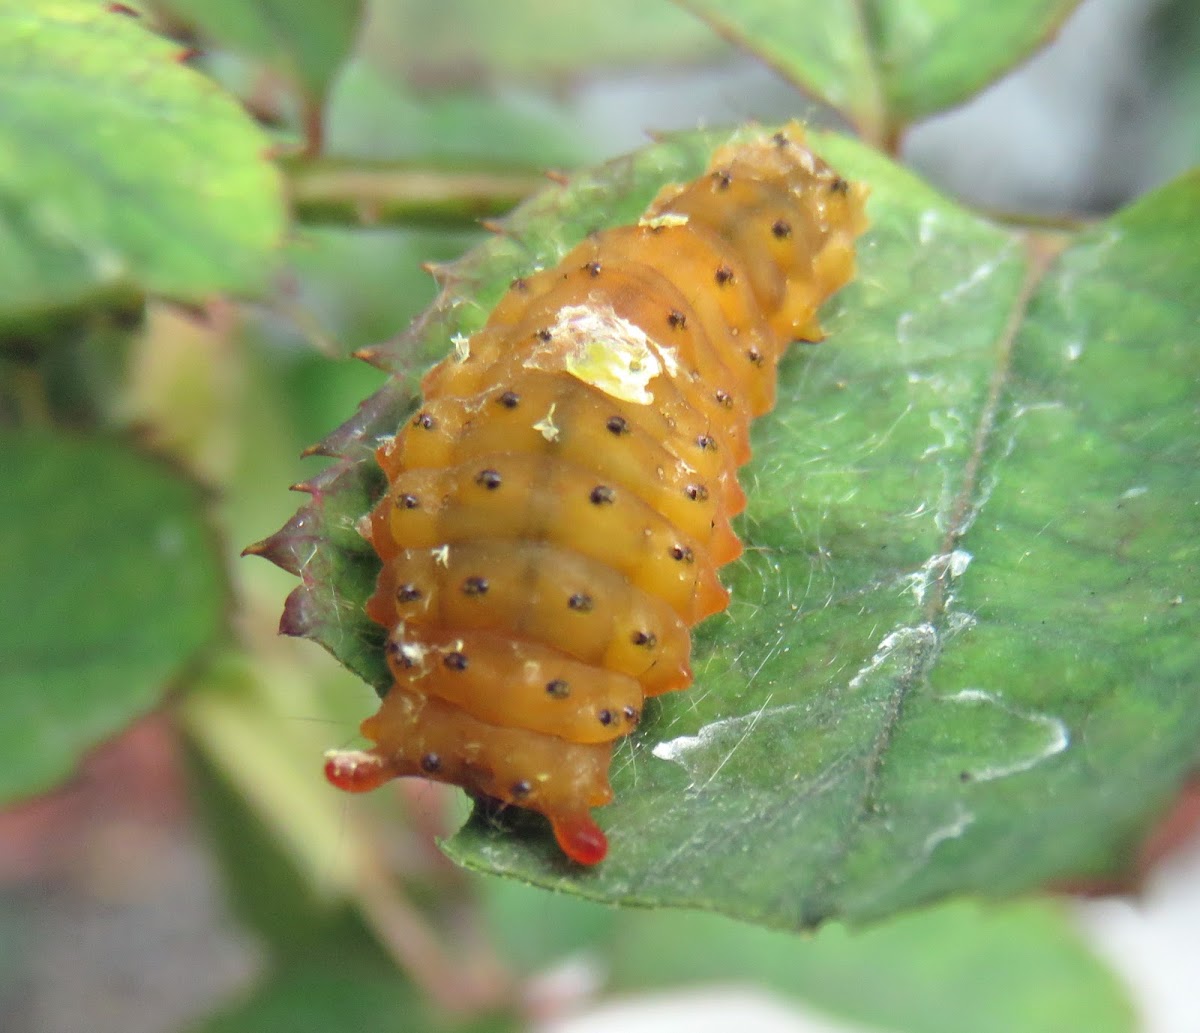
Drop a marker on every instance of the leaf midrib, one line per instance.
(1039, 255)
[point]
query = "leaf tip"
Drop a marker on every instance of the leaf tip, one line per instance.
(288, 546)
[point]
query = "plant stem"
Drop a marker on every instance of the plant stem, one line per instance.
(458, 984)
(331, 191)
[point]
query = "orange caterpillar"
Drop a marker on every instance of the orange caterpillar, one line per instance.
(559, 507)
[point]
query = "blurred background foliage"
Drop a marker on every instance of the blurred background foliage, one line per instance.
(176, 312)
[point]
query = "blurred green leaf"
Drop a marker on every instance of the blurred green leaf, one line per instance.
(70, 371)
(534, 930)
(469, 39)
(356, 288)
(354, 991)
(234, 717)
(307, 40)
(376, 117)
(959, 654)
(942, 970)
(1173, 73)
(120, 168)
(112, 582)
(1008, 967)
(887, 63)
(346, 290)
(268, 889)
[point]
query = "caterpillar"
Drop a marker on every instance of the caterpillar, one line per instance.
(559, 505)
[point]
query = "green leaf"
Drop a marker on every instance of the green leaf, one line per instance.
(256, 726)
(353, 991)
(348, 290)
(69, 371)
(305, 39)
(1172, 41)
(886, 63)
(268, 890)
(566, 925)
(120, 168)
(354, 287)
(1009, 967)
(529, 39)
(111, 584)
(377, 117)
(945, 969)
(959, 654)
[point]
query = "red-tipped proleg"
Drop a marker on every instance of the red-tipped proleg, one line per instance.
(580, 839)
(356, 771)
